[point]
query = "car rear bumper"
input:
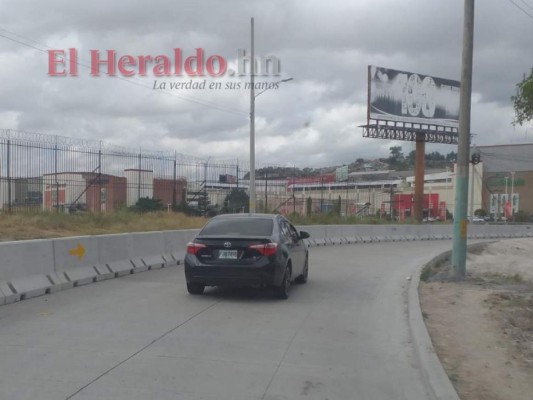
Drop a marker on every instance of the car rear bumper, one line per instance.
(262, 273)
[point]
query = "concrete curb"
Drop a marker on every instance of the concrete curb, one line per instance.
(430, 366)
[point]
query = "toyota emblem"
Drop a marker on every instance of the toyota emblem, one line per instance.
(227, 244)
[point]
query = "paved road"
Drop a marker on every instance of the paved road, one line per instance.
(344, 335)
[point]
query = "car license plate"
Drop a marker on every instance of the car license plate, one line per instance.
(227, 254)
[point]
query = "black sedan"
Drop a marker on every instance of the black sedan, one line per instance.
(247, 250)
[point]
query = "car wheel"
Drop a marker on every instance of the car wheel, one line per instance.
(195, 288)
(303, 278)
(282, 291)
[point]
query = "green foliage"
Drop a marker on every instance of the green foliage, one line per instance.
(236, 201)
(146, 204)
(480, 212)
(396, 152)
(434, 159)
(451, 157)
(449, 215)
(203, 202)
(182, 206)
(523, 101)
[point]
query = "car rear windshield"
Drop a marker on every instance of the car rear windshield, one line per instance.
(241, 227)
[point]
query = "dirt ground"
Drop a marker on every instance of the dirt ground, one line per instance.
(482, 328)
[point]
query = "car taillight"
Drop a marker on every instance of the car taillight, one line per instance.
(267, 249)
(193, 248)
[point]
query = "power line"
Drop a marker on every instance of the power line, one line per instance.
(521, 9)
(527, 4)
(130, 81)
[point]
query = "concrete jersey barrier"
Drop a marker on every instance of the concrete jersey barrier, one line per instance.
(32, 268)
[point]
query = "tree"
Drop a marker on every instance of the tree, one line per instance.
(451, 156)
(523, 101)
(146, 204)
(480, 213)
(203, 202)
(396, 159)
(236, 201)
(396, 152)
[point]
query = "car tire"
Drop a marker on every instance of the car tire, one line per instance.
(195, 288)
(302, 279)
(282, 291)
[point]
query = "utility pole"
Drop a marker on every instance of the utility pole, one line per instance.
(419, 176)
(321, 194)
(252, 123)
(293, 193)
(472, 169)
(266, 190)
(346, 205)
(391, 200)
(460, 223)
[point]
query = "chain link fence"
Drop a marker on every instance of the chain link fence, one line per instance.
(62, 174)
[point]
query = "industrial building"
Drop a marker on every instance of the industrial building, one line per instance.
(501, 185)
(102, 192)
(507, 178)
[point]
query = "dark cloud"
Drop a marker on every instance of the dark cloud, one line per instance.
(325, 46)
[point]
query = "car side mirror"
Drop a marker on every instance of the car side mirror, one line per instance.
(304, 235)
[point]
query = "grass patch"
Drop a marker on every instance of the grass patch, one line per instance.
(37, 224)
(44, 225)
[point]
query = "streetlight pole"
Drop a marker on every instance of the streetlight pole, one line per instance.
(512, 196)
(252, 124)
(252, 121)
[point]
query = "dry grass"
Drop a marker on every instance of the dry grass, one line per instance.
(44, 225)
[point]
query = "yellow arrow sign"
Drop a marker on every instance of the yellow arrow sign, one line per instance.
(78, 251)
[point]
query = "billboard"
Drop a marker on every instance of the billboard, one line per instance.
(413, 98)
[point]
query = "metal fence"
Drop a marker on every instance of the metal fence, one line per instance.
(55, 173)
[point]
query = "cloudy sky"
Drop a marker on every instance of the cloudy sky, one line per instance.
(325, 46)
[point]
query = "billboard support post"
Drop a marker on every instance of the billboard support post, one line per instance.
(419, 176)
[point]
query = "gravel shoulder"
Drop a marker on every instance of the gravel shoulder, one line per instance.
(482, 328)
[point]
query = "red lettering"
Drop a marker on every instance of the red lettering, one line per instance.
(210, 65)
(162, 67)
(95, 63)
(53, 61)
(195, 61)
(126, 61)
(142, 64)
(177, 61)
(73, 62)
